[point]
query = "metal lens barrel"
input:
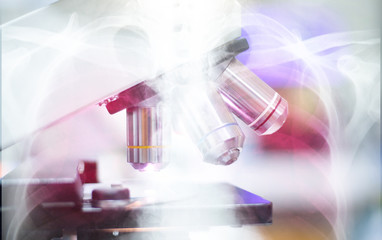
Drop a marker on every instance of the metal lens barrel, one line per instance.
(145, 138)
(211, 125)
(252, 100)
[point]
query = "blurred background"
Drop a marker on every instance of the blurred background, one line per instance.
(322, 169)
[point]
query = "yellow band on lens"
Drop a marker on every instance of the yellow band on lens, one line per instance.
(145, 146)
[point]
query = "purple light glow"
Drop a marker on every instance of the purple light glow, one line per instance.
(329, 76)
(288, 44)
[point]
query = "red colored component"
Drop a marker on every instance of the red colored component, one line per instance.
(100, 194)
(87, 170)
(131, 97)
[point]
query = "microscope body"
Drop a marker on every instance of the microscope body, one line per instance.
(162, 66)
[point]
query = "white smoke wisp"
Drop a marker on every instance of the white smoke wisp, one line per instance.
(343, 70)
(73, 54)
(72, 46)
(41, 63)
(82, 56)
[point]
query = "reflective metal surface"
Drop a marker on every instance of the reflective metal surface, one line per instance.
(252, 100)
(145, 138)
(210, 125)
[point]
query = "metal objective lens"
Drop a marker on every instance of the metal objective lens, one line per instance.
(210, 125)
(145, 138)
(252, 100)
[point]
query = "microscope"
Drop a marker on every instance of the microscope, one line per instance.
(167, 66)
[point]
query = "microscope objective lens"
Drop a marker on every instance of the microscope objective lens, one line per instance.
(252, 100)
(145, 138)
(211, 125)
